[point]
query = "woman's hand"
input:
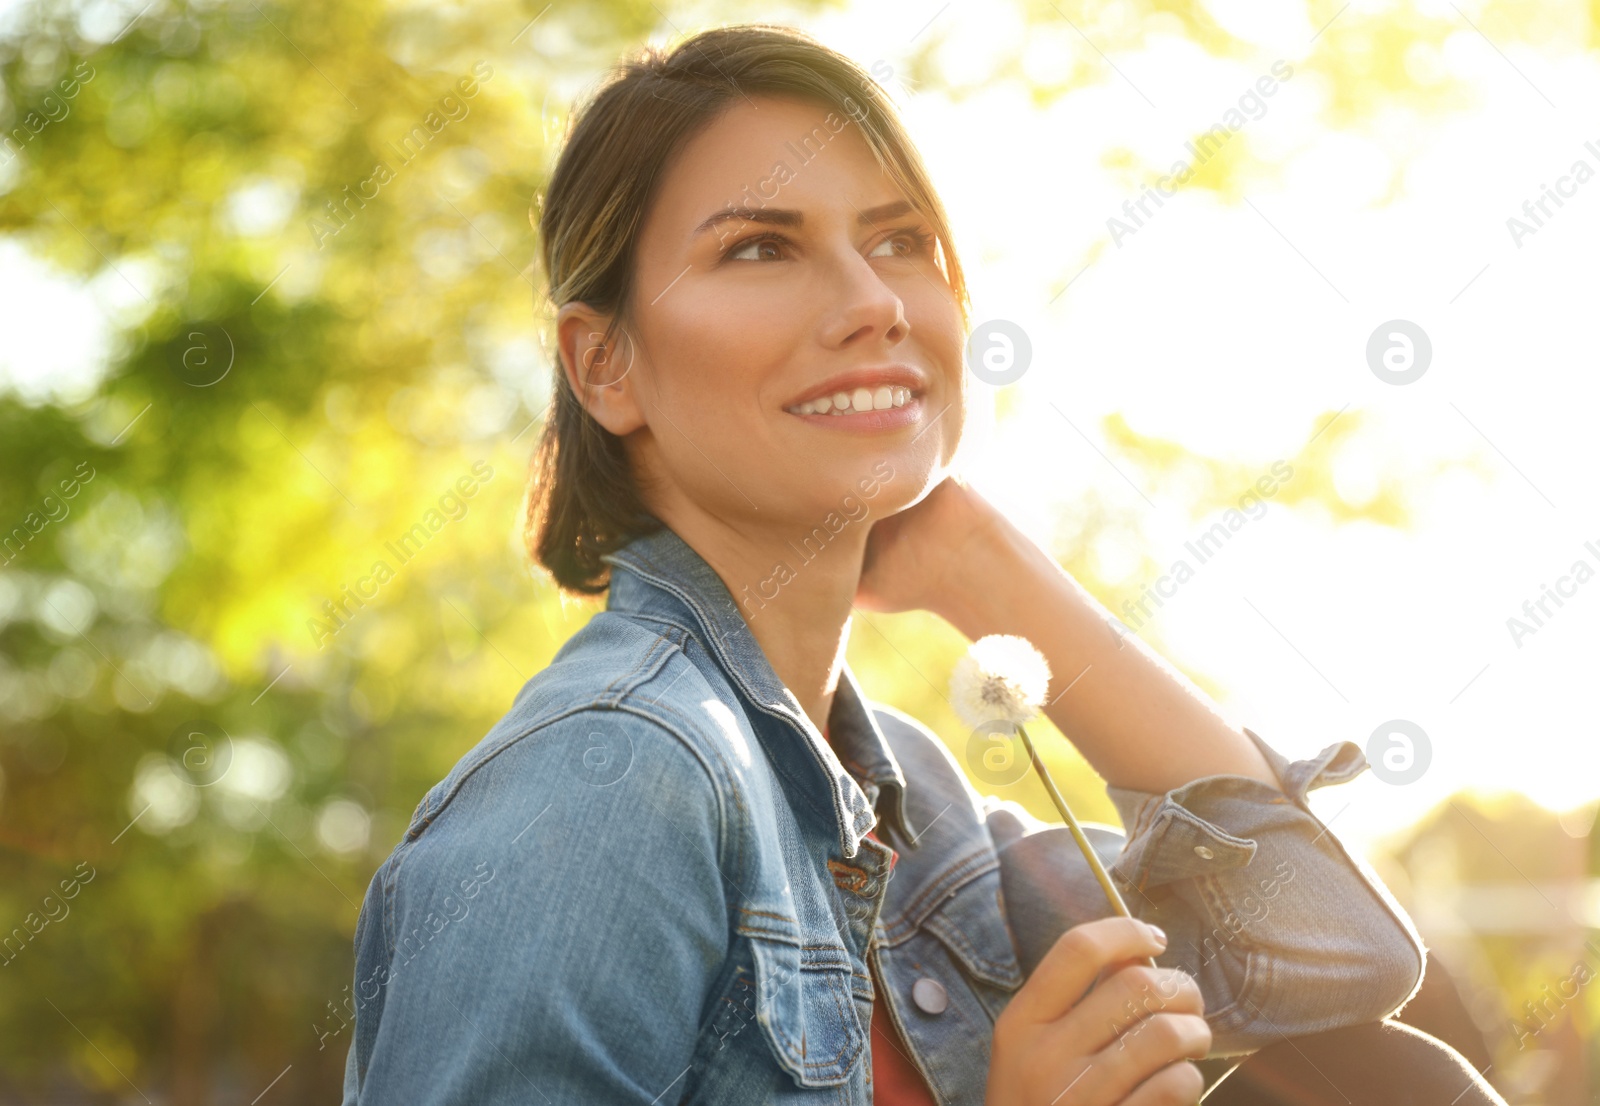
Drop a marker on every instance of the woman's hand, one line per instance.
(1127, 1043)
(916, 557)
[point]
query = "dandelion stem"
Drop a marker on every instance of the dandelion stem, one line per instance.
(1089, 854)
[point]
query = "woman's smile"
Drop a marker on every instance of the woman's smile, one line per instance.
(886, 398)
(883, 408)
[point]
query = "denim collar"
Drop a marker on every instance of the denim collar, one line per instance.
(863, 771)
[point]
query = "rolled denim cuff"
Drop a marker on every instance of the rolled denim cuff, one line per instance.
(1180, 833)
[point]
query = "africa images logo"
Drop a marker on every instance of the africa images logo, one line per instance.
(452, 507)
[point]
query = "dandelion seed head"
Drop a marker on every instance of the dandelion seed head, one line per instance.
(1002, 676)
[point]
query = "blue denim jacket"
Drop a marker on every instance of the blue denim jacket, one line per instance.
(650, 883)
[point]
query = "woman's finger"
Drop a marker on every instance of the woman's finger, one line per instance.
(1112, 1074)
(1116, 1009)
(1075, 961)
(1181, 1083)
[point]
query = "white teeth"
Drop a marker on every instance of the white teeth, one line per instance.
(884, 397)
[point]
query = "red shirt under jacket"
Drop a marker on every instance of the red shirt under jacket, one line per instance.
(895, 1079)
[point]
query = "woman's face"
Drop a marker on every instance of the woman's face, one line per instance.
(776, 258)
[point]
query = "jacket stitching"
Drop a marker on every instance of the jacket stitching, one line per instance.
(728, 841)
(797, 785)
(642, 616)
(953, 934)
(638, 665)
(769, 914)
(1142, 815)
(1234, 1015)
(731, 843)
(408, 845)
(1256, 962)
(1006, 972)
(615, 703)
(958, 875)
(647, 571)
(846, 1020)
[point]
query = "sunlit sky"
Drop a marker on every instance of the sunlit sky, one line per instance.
(1236, 329)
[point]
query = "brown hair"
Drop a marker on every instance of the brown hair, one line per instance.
(582, 500)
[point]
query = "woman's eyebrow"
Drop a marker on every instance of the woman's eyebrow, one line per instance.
(786, 217)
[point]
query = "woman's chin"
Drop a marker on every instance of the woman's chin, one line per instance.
(884, 486)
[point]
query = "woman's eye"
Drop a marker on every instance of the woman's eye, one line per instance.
(743, 251)
(913, 242)
(771, 247)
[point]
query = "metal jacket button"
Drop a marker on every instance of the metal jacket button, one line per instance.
(1203, 853)
(929, 995)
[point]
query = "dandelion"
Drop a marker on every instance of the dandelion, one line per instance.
(1003, 678)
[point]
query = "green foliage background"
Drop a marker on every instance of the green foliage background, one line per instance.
(367, 371)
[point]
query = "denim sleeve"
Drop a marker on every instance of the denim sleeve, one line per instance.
(552, 932)
(1285, 931)
(1293, 933)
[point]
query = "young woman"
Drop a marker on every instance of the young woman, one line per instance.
(694, 863)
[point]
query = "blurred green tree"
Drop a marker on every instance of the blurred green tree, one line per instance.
(262, 584)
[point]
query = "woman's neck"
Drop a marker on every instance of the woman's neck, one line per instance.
(798, 609)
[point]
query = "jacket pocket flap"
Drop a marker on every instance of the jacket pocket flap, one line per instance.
(971, 924)
(805, 1009)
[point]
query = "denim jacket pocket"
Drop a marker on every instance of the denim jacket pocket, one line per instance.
(970, 922)
(806, 1010)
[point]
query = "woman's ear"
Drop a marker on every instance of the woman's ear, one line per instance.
(599, 370)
